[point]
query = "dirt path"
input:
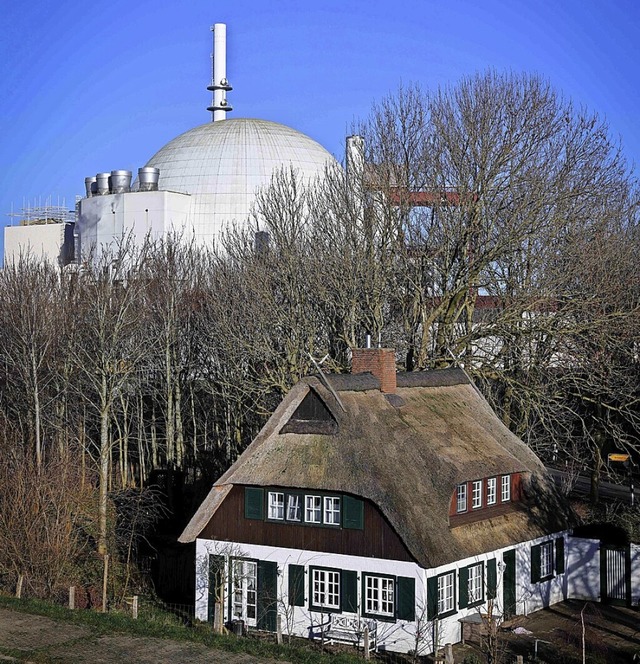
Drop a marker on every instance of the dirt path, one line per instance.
(47, 640)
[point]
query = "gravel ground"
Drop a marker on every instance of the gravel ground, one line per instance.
(45, 640)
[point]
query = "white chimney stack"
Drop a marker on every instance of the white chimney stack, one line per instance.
(219, 83)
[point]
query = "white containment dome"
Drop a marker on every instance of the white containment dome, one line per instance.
(223, 164)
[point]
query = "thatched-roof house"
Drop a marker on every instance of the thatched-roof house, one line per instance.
(376, 495)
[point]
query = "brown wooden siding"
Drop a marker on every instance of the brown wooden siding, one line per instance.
(376, 540)
(486, 511)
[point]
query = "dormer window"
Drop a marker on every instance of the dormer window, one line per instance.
(476, 494)
(461, 498)
(506, 488)
(492, 490)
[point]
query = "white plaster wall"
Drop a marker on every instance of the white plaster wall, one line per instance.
(532, 597)
(106, 221)
(40, 241)
(398, 636)
(583, 568)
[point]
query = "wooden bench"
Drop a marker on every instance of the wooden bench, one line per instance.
(348, 629)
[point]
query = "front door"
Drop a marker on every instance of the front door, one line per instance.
(614, 574)
(509, 583)
(244, 596)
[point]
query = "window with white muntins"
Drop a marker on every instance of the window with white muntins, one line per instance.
(276, 505)
(546, 560)
(461, 498)
(332, 511)
(492, 491)
(379, 595)
(475, 585)
(476, 494)
(313, 509)
(506, 488)
(326, 588)
(446, 597)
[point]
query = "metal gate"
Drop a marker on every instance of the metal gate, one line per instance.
(615, 575)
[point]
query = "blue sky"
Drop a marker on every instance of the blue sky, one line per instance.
(91, 87)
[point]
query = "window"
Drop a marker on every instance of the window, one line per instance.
(492, 485)
(506, 488)
(474, 587)
(325, 587)
(546, 560)
(332, 511)
(313, 511)
(476, 494)
(461, 502)
(446, 596)
(379, 595)
(276, 505)
(294, 508)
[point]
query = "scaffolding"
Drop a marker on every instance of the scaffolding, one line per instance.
(40, 214)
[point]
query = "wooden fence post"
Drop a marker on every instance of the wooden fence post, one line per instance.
(72, 597)
(448, 654)
(134, 607)
(19, 586)
(365, 639)
(104, 582)
(279, 629)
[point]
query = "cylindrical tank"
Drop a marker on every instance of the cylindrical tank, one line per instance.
(120, 182)
(148, 177)
(90, 186)
(102, 183)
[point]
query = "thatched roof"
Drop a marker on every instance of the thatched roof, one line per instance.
(405, 452)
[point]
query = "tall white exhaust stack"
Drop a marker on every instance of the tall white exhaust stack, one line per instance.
(219, 83)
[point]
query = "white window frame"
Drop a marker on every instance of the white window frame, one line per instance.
(492, 491)
(325, 588)
(461, 498)
(446, 593)
(476, 494)
(475, 585)
(379, 596)
(505, 488)
(546, 560)
(294, 507)
(276, 505)
(313, 509)
(331, 510)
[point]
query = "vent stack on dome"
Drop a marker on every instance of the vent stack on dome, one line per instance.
(219, 83)
(102, 183)
(148, 178)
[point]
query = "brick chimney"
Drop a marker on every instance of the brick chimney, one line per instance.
(381, 362)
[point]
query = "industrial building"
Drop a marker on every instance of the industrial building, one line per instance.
(199, 183)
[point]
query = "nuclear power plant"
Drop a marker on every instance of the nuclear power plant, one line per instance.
(196, 186)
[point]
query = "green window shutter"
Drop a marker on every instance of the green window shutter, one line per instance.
(432, 597)
(253, 503)
(492, 579)
(267, 595)
(216, 578)
(560, 555)
(296, 585)
(535, 563)
(406, 598)
(349, 591)
(352, 513)
(463, 587)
